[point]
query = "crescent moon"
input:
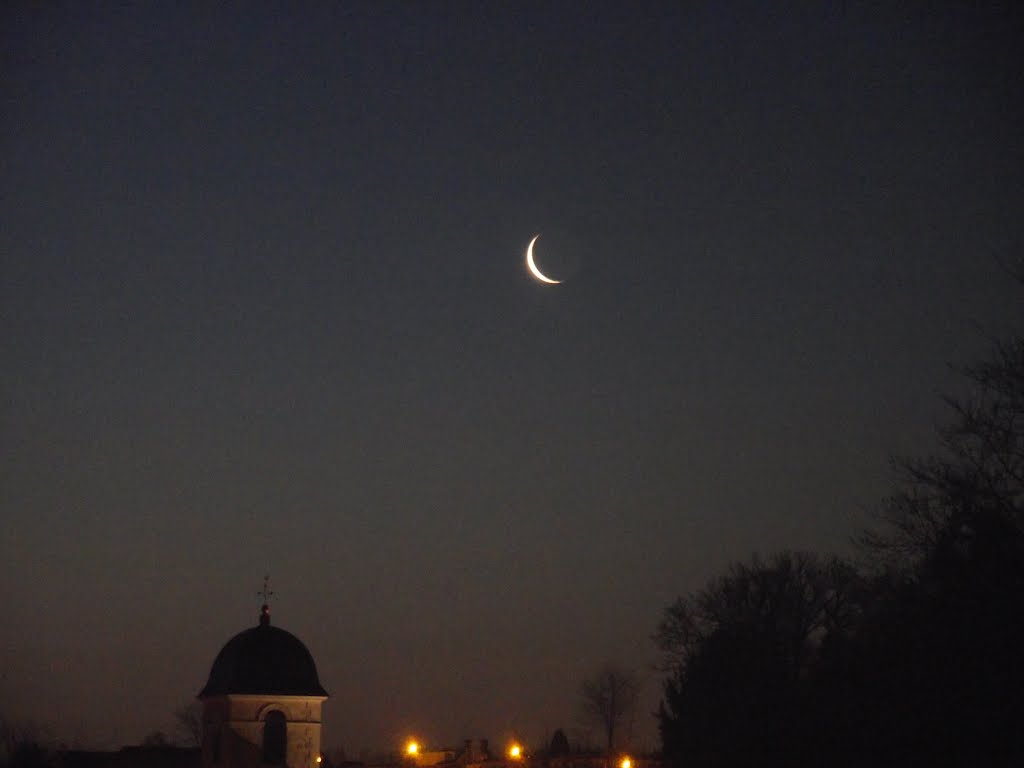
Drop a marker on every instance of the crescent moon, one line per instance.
(532, 266)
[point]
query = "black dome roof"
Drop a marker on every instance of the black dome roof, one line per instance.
(264, 660)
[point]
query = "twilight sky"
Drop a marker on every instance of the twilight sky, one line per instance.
(265, 310)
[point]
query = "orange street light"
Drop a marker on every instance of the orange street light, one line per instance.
(515, 751)
(412, 748)
(626, 763)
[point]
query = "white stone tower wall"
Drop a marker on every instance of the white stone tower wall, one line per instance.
(239, 719)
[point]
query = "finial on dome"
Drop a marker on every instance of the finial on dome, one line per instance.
(265, 609)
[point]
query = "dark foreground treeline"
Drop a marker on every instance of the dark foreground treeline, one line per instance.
(913, 655)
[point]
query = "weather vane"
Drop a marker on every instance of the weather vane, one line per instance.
(265, 608)
(266, 593)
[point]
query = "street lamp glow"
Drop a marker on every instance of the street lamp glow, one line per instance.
(626, 763)
(412, 748)
(515, 751)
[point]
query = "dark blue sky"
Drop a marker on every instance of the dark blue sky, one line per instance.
(265, 309)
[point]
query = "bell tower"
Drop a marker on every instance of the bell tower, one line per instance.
(263, 700)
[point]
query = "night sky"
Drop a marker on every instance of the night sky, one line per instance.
(265, 310)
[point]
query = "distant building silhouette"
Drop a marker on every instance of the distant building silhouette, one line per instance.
(159, 756)
(476, 753)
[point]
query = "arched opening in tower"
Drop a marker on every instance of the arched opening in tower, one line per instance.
(275, 738)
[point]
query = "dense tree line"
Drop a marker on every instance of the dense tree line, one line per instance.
(911, 657)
